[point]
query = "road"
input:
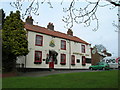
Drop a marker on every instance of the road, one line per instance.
(46, 73)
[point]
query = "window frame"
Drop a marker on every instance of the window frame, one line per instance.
(41, 42)
(83, 49)
(88, 60)
(77, 60)
(83, 61)
(38, 61)
(63, 63)
(72, 61)
(63, 41)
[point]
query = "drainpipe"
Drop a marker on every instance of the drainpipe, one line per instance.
(28, 45)
(26, 55)
(69, 54)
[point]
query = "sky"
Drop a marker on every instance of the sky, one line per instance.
(105, 35)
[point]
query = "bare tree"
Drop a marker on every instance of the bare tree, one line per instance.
(33, 7)
(85, 14)
(100, 48)
(80, 15)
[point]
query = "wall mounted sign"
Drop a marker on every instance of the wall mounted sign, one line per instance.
(77, 53)
(86, 54)
(52, 43)
(94, 51)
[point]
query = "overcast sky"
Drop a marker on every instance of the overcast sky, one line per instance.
(105, 35)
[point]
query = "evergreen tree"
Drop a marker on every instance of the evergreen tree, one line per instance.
(14, 42)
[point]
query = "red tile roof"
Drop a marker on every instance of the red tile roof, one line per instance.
(43, 30)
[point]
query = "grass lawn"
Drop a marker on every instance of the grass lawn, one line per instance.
(104, 79)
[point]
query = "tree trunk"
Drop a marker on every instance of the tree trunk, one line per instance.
(9, 63)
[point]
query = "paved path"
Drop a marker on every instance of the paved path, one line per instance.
(46, 73)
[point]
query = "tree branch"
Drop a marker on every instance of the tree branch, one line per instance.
(80, 15)
(113, 3)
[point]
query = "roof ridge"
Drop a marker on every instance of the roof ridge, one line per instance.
(50, 30)
(37, 28)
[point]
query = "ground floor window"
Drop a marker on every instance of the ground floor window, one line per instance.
(83, 61)
(73, 60)
(63, 59)
(88, 60)
(78, 60)
(38, 57)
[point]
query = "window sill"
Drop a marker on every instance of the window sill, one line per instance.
(83, 64)
(63, 63)
(73, 64)
(63, 48)
(38, 45)
(37, 62)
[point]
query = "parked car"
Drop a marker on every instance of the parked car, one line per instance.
(100, 66)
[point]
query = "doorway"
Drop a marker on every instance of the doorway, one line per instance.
(51, 62)
(52, 59)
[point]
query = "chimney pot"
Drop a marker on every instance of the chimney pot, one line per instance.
(50, 26)
(70, 32)
(29, 20)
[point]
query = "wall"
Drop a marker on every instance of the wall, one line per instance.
(71, 48)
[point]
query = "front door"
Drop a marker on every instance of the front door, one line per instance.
(51, 62)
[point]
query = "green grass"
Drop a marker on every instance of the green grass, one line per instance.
(104, 79)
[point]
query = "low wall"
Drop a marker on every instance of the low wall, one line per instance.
(10, 74)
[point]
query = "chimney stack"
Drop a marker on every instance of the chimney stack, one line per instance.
(50, 26)
(29, 20)
(70, 32)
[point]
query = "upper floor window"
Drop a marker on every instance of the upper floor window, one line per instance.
(63, 59)
(39, 40)
(73, 60)
(63, 45)
(38, 57)
(83, 48)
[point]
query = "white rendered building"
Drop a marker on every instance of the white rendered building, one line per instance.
(52, 49)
